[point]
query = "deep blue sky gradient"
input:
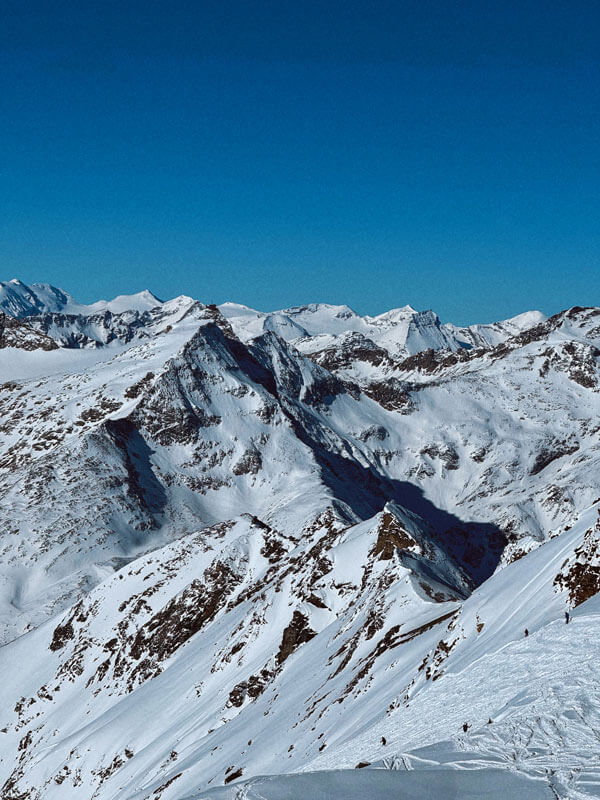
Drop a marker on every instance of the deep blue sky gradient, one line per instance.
(442, 154)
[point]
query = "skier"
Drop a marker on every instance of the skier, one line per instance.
(566, 617)
(383, 740)
(526, 632)
(466, 726)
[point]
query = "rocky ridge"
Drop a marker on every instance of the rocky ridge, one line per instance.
(273, 535)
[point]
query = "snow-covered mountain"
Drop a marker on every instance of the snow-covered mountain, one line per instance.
(402, 331)
(20, 300)
(245, 553)
(369, 349)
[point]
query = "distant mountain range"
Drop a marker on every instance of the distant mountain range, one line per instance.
(401, 331)
(239, 544)
(20, 300)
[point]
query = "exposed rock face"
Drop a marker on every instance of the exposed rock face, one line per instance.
(548, 454)
(298, 632)
(391, 536)
(14, 333)
(354, 347)
(580, 574)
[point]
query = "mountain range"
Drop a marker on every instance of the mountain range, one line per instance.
(296, 554)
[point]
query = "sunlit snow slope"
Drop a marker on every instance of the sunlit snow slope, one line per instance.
(300, 554)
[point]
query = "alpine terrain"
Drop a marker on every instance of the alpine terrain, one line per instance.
(296, 555)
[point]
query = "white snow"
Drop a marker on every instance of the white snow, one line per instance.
(21, 300)
(218, 556)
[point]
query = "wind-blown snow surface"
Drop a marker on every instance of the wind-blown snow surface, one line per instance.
(239, 545)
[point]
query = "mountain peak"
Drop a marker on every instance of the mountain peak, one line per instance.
(20, 300)
(140, 301)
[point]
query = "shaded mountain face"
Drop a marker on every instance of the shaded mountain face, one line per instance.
(238, 543)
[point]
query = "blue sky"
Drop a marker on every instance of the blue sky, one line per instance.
(444, 155)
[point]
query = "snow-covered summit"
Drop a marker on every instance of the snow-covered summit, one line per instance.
(400, 331)
(20, 300)
(494, 333)
(393, 316)
(141, 301)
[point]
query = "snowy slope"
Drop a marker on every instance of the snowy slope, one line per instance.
(463, 784)
(529, 699)
(523, 680)
(400, 332)
(494, 333)
(239, 544)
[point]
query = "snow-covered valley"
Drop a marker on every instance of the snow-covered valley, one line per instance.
(244, 554)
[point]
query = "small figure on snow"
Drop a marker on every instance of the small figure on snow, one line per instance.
(466, 726)
(526, 632)
(567, 616)
(383, 740)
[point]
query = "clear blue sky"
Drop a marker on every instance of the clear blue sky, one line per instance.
(442, 154)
